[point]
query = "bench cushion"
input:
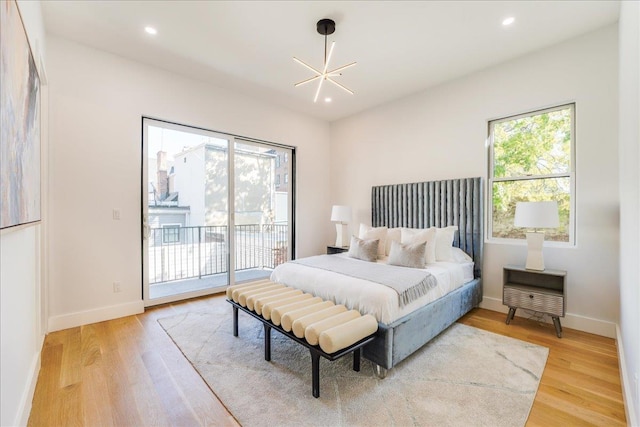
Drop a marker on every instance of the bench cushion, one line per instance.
(300, 324)
(313, 331)
(278, 312)
(290, 316)
(345, 334)
(267, 308)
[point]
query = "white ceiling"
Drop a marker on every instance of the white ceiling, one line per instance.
(401, 47)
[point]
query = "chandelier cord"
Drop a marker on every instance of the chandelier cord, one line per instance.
(325, 50)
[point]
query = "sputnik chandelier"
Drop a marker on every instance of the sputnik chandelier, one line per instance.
(325, 27)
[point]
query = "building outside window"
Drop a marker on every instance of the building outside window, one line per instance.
(532, 158)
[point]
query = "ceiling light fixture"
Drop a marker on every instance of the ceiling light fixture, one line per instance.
(325, 27)
(151, 30)
(508, 21)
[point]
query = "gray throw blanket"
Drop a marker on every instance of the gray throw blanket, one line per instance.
(409, 283)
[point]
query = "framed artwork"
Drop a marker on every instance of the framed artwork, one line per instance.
(19, 122)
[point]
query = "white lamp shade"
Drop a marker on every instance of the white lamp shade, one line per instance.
(340, 213)
(537, 215)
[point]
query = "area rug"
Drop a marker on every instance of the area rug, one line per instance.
(464, 377)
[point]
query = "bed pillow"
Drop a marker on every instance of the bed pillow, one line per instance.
(444, 243)
(379, 233)
(460, 256)
(366, 250)
(420, 235)
(409, 255)
(393, 235)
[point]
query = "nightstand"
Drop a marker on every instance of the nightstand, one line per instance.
(337, 249)
(541, 291)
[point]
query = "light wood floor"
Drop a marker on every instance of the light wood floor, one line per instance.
(128, 372)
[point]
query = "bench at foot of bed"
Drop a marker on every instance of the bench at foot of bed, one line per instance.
(325, 329)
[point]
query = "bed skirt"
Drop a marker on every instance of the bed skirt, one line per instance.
(398, 340)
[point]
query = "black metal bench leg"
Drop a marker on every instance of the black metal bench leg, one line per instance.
(356, 359)
(235, 321)
(315, 374)
(556, 323)
(267, 342)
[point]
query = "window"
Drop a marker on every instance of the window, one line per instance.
(278, 160)
(170, 233)
(286, 178)
(532, 159)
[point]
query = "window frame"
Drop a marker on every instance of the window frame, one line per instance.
(170, 230)
(571, 174)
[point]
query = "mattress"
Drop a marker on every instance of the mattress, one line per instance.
(370, 297)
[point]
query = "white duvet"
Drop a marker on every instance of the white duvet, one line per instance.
(369, 297)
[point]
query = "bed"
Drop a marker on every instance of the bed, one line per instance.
(403, 330)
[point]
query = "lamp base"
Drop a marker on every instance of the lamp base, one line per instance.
(535, 260)
(342, 235)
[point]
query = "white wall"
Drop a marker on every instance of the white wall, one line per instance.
(629, 338)
(21, 331)
(441, 133)
(97, 100)
(20, 336)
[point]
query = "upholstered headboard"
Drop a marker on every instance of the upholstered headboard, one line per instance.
(434, 204)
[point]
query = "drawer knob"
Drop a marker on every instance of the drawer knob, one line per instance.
(531, 296)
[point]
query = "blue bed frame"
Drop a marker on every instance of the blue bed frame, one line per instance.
(423, 205)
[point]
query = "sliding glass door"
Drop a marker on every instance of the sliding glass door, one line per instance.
(216, 210)
(262, 206)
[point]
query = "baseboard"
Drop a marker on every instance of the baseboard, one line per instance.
(573, 321)
(627, 383)
(24, 409)
(71, 320)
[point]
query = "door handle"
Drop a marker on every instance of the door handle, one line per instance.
(146, 230)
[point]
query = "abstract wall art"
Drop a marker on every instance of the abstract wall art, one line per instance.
(19, 122)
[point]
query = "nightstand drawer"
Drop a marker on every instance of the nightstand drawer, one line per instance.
(549, 302)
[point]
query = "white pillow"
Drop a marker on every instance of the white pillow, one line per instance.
(393, 235)
(419, 235)
(444, 243)
(460, 256)
(379, 233)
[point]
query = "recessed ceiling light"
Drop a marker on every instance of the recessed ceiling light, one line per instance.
(151, 30)
(508, 21)
(327, 99)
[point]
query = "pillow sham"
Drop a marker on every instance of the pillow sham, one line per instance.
(420, 235)
(409, 255)
(393, 235)
(366, 250)
(444, 243)
(379, 233)
(460, 256)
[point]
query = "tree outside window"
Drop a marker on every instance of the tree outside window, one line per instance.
(532, 159)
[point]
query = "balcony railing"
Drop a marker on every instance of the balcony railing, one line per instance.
(178, 253)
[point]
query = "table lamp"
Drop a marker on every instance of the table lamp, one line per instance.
(536, 215)
(341, 215)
